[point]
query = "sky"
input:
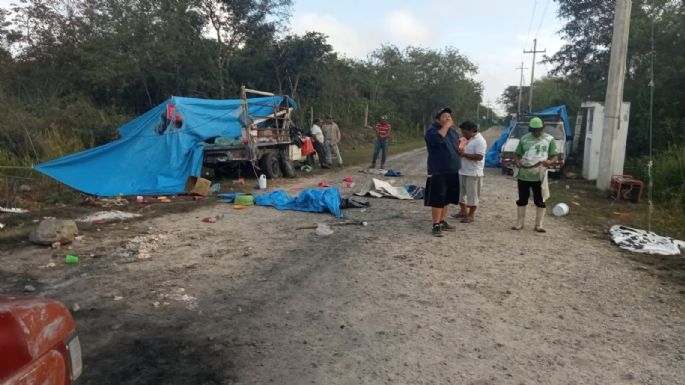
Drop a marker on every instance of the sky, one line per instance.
(491, 33)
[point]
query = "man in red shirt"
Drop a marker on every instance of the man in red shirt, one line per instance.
(383, 130)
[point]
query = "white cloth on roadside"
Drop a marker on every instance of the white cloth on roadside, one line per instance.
(378, 188)
(646, 242)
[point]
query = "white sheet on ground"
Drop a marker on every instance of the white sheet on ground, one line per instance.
(378, 188)
(107, 216)
(641, 241)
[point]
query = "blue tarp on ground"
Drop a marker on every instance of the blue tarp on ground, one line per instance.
(492, 156)
(309, 200)
(154, 156)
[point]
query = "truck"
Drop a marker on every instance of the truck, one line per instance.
(554, 125)
(268, 142)
(38, 343)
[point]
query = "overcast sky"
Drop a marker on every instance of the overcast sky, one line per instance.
(492, 33)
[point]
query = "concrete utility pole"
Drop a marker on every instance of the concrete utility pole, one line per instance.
(614, 94)
(520, 88)
(532, 72)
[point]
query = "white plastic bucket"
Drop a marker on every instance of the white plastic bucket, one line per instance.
(262, 182)
(560, 210)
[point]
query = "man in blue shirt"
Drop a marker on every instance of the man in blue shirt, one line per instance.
(442, 184)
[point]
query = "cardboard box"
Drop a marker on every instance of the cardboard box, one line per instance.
(197, 185)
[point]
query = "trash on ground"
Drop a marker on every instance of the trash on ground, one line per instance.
(324, 185)
(393, 173)
(29, 289)
(75, 307)
(373, 171)
(118, 298)
(245, 200)
(262, 182)
(215, 188)
(71, 259)
(416, 192)
(349, 203)
(2, 226)
(576, 203)
(209, 220)
(50, 231)
(641, 241)
(560, 209)
(13, 210)
(346, 223)
(229, 197)
(142, 247)
(306, 168)
(309, 200)
(238, 207)
(107, 216)
(323, 229)
(378, 188)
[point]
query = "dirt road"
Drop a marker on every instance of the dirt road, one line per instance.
(251, 300)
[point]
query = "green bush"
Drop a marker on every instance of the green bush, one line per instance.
(668, 176)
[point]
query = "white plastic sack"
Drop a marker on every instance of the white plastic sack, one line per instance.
(641, 241)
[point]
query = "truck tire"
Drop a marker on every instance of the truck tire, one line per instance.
(287, 166)
(270, 166)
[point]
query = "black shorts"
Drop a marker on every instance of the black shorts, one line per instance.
(441, 190)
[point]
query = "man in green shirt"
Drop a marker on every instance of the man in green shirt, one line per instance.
(535, 152)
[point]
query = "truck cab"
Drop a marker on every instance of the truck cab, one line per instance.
(267, 142)
(38, 343)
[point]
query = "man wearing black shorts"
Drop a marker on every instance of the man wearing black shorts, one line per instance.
(442, 184)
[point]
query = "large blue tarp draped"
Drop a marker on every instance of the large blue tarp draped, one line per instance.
(158, 150)
(309, 200)
(492, 156)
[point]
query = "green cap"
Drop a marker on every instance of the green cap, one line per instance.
(536, 123)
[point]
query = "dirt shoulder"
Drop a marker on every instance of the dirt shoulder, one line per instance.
(250, 300)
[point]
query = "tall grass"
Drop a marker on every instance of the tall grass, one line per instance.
(668, 176)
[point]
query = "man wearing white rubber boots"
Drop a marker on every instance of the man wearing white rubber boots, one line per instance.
(535, 152)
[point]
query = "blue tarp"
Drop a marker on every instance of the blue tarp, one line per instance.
(309, 200)
(492, 157)
(158, 150)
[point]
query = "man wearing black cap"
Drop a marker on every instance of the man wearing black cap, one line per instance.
(442, 184)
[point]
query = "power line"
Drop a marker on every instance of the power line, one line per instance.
(542, 19)
(530, 24)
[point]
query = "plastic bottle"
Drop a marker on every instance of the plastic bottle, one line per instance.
(262, 182)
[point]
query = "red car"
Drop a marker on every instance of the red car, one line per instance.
(38, 343)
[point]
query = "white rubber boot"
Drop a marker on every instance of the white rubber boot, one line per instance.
(539, 218)
(520, 217)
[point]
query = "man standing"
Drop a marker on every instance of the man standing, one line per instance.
(318, 142)
(442, 184)
(535, 152)
(471, 171)
(331, 133)
(383, 130)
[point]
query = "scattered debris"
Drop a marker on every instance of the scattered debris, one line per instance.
(50, 231)
(214, 188)
(13, 210)
(179, 295)
(560, 209)
(141, 247)
(647, 242)
(378, 188)
(118, 298)
(323, 229)
(56, 245)
(347, 223)
(29, 289)
(75, 307)
(2, 226)
(107, 216)
(71, 259)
